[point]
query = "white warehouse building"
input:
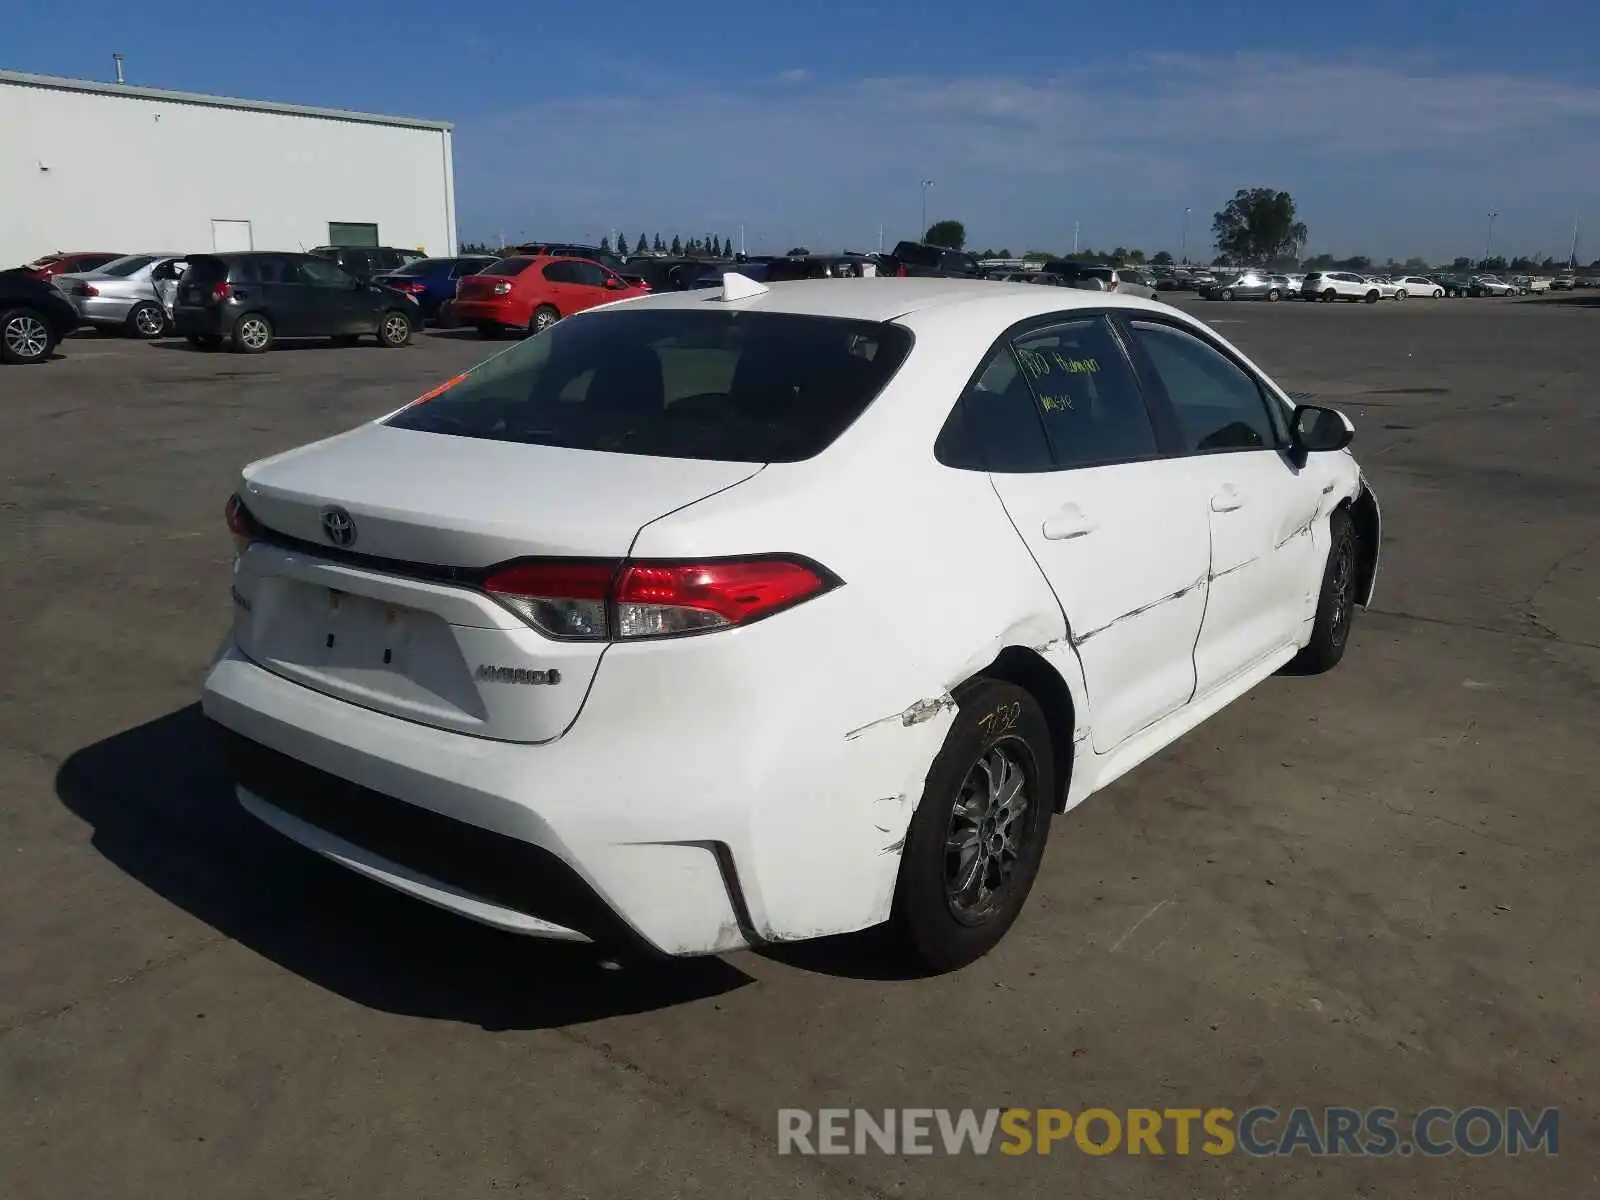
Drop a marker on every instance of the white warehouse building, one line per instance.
(110, 167)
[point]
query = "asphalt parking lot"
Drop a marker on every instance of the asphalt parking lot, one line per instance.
(1369, 888)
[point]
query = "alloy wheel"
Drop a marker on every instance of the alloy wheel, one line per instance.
(1341, 585)
(396, 328)
(149, 321)
(988, 832)
(26, 336)
(253, 333)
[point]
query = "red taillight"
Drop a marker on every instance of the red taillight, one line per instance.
(414, 289)
(240, 523)
(221, 291)
(901, 272)
(604, 601)
(85, 289)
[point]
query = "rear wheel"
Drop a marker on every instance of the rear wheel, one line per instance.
(1400, 295)
(1336, 604)
(975, 844)
(252, 334)
(1372, 297)
(394, 329)
(147, 321)
(1227, 293)
(543, 317)
(1329, 296)
(25, 336)
(1273, 295)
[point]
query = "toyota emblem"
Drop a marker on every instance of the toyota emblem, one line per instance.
(339, 526)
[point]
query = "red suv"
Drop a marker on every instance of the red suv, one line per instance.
(66, 262)
(533, 292)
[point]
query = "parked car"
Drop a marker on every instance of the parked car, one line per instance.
(121, 295)
(1133, 282)
(1489, 285)
(253, 298)
(484, 648)
(1534, 284)
(532, 292)
(34, 318)
(1339, 285)
(567, 250)
(1566, 281)
(712, 273)
(818, 266)
(1418, 285)
(920, 259)
(64, 261)
(364, 262)
(1248, 285)
(1388, 289)
(431, 282)
(665, 274)
(1454, 285)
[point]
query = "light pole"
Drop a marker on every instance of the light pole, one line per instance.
(923, 228)
(1075, 226)
(1183, 250)
(1489, 241)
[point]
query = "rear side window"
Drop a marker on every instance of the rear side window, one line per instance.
(917, 255)
(729, 386)
(508, 266)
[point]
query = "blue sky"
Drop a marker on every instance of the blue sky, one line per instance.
(1397, 126)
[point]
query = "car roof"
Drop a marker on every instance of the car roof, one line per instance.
(881, 298)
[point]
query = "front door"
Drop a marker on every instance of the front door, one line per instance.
(334, 299)
(1261, 505)
(1119, 531)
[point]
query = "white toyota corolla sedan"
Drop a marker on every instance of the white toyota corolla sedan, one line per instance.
(726, 617)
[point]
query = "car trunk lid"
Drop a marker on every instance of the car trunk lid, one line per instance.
(364, 581)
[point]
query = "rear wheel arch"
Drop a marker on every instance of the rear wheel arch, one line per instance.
(1030, 671)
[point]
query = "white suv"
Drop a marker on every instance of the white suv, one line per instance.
(1339, 285)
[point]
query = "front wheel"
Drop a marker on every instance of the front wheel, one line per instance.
(394, 330)
(25, 337)
(1227, 293)
(1336, 604)
(975, 844)
(1273, 295)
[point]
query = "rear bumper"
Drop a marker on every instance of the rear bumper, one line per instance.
(491, 312)
(714, 831)
(200, 322)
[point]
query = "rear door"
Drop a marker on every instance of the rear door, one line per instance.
(1234, 438)
(279, 292)
(1119, 531)
(561, 287)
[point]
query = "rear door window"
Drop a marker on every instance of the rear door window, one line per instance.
(1088, 394)
(729, 386)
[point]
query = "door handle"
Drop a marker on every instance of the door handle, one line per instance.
(1070, 521)
(1227, 499)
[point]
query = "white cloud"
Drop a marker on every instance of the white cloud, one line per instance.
(794, 75)
(1119, 147)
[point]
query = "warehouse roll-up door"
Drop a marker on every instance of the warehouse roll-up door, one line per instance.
(352, 233)
(231, 235)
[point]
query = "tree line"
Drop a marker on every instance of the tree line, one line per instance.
(1257, 227)
(710, 246)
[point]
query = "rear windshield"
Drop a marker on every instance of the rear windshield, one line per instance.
(123, 267)
(204, 268)
(507, 266)
(918, 255)
(675, 383)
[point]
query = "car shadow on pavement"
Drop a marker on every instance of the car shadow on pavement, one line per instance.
(163, 810)
(1590, 300)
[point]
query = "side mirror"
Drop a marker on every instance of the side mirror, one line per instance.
(1317, 430)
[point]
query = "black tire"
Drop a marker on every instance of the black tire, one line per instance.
(252, 334)
(1329, 296)
(1336, 605)
(394, 329)
(25, 337)
(996, 722)
(204, 341)
(1272, 295)
(146, 321)
(1373, 297)
(1401, 294)
(543, 317)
